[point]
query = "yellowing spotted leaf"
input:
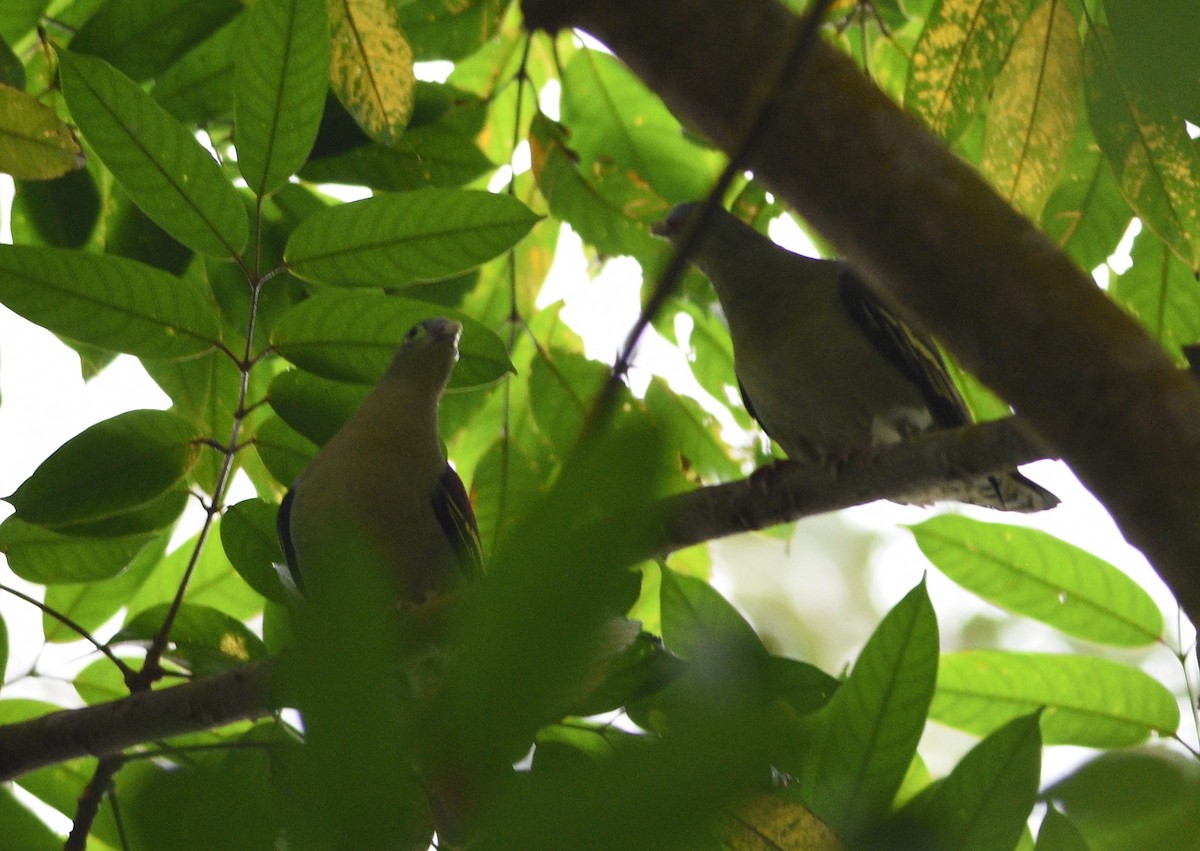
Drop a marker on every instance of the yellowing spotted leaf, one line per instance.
(371, 66)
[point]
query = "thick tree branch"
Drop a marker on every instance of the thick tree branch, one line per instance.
(147, 716)
(938, 243)
(778, 494)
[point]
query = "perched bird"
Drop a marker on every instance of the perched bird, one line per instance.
(823, 365)
(380, 488)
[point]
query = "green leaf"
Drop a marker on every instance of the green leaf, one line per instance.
(1089, 702)
(352, 336)
(23, 829)
(371, 66)
(280, 82)
(614, 118)
(875, 720)
(693, 431)
(1086, 215)
(198, 87)
(1058, 833)
(393, 240)
(563, 387)
(158, 162)
(440, 30)
(507, 484)
(214, 582)
(1153, 159)
(284, 452)
(1034, 107)
(90, 605)
(109, 468)
(609, 211)
(1160, 290)
(116, 304)
(1133, 799)
(62, 213)
(431, 155)
(140, 38)
(1032, 573)
(985, 801)
(252, 545)
(34, 143)
(19, 17)
(206, 640)
(695, 615)
(315, 407)
(40, 555)
(1156, 49)
(956, 59)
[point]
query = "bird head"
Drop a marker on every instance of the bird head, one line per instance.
(429, 351)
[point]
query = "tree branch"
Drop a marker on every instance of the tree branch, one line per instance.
(784, 492)
(940, 246)
(110, 728)
(791, 490)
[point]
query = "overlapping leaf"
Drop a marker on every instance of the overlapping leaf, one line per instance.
(393, 240)
(116, 304)
(156, 160)
(351, 336)
(1090, 702)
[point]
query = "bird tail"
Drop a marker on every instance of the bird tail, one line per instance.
(1011, 491)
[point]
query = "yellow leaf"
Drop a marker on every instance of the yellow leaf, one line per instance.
(770, 821)
(34, 144)
(1034, 109)
(371, 66)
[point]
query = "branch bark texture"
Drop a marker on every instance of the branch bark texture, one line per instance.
(937, 243)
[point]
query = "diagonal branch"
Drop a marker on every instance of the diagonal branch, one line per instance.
(939, 245)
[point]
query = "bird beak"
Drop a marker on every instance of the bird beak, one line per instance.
(441, 328)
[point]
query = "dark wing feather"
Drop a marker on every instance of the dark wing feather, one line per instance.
(283, 527)
(914, 354)
(453, 509)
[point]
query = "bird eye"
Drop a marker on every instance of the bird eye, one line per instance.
(412, 333)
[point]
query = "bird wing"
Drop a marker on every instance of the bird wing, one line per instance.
(289, 573)
(914, 354)
(453, 509)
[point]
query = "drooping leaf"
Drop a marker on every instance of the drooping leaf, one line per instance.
(1032, 573)
(1089, 701)
(371, 66)
(156, 160)
(116, 304)
(40, 555)
(252, 545)
(109, 469)
(394, 240)
(61, 213)
(280, 82)
(351, 336)
(431, 155)
(315, 407)
(34, 143)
